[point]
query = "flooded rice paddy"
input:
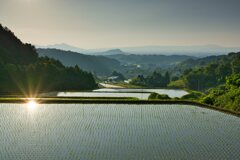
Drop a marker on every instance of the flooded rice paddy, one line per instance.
(142, 94)
(116, 131)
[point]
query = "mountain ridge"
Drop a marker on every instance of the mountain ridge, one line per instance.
(194, 50)
(95, 64)
(23, 72)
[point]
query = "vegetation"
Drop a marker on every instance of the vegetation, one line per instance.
(155, 80)
(226, 96)
(213, 80)
(127, 85)
(22, 71)
(193, 95)
(219, 80)
(210, 75)
(13, 51)
(149, 61)
(98, 65)
(133, 65)
(119, 75)
(155, 96)
(177, 84)
(196, 63)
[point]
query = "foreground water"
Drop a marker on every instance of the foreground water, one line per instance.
(116, 131)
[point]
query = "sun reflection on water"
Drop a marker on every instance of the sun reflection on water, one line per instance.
(32, 104)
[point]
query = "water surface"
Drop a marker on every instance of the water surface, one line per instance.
(173, 93)
(143, 96)
(136, 93)
(116, 131)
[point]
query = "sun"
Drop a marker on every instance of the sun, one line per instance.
(32, 104)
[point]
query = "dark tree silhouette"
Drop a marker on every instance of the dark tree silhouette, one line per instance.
(22, 71)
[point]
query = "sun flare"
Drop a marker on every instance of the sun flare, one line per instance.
(32, 104)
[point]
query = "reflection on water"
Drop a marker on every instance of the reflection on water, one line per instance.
(116, 131)
(105, 94)
(170, 92)
(32, 104)
(137, 93)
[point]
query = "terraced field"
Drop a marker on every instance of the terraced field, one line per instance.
(108, 131)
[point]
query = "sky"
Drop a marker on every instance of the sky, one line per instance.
(122, 23)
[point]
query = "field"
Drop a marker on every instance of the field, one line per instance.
(116, 131)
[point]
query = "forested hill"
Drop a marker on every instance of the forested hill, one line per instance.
(97, 64)
(200, 62)
(217, 77)
(12, 50)
(22, 71)
(212, 73)
(162, 61)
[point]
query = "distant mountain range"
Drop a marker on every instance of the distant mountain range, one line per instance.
(99, 65)
(198, 51)
(64, 47)
(103, 62)
(111, 52)
(114, 60)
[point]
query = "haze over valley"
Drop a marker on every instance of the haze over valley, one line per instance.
(197, 50)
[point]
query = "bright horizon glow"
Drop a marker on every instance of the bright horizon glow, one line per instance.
(93, 24)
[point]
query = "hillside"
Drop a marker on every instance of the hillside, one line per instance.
(196, 63)
(12, 50)
(23, 72)
(212, 73)
(219, 79)
(162, 61)
(97, 64)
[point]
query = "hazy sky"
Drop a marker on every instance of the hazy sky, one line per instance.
(118, 23)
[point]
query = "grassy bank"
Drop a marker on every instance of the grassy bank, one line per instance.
(127, 85)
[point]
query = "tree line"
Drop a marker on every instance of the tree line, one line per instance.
(22, 71)
(210, 75)
(156, 79)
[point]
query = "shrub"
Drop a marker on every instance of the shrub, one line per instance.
(158, 96)
(208, 100)
(177, 84)
(193, 95)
